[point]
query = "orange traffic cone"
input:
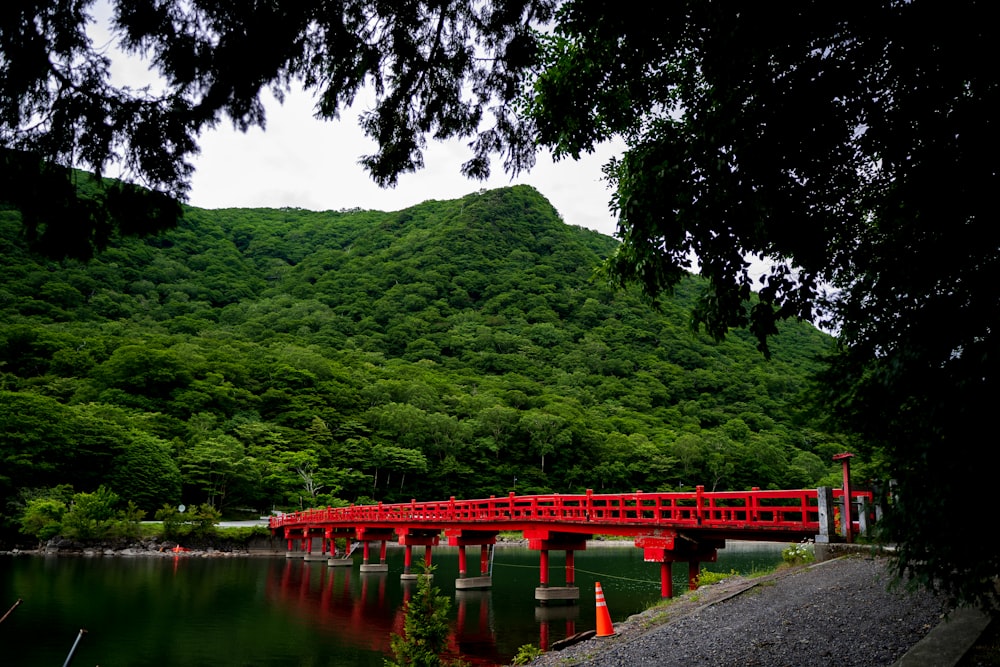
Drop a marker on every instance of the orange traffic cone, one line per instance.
(604, 627)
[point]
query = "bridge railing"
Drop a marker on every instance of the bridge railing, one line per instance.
(787, 509)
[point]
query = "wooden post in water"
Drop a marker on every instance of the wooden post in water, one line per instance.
(10, 611)
(69, 658)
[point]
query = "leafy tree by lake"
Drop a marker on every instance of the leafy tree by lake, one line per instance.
(425, 627)
(307, 389)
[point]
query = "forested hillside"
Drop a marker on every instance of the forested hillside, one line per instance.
(258, 359)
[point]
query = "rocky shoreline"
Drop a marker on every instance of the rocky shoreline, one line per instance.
(155, 547)
(841, 612)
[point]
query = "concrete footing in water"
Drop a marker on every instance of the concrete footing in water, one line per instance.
(473, 583)
(564, 594)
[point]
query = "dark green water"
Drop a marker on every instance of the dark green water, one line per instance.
(192, 612)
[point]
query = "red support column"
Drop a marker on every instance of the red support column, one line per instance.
(845, 513)
(484, 560)
(407, 559)
(365, 552)
(543, 574)
(570, 567)
(461, 562)
(427, 555)
(666, 580)
(381, 555)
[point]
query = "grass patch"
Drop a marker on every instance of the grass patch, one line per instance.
(184, 530)
(510, 536)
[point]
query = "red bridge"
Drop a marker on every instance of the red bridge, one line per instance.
(668, 527)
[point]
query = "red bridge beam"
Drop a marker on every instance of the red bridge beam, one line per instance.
(754, 514)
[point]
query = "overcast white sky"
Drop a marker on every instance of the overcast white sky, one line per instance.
(303, 162)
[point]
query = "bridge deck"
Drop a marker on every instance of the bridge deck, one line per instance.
(757, 514)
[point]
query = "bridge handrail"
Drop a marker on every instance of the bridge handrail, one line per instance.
(791, 509)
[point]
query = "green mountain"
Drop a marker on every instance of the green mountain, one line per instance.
(260, 358)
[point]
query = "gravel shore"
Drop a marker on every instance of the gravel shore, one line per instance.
(841, 612)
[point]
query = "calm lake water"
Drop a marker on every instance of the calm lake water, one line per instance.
(193, 612)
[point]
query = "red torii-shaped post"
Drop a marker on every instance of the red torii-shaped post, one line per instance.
(845, 517)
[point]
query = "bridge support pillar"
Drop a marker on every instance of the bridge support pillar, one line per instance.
(545, 540)
(292, 552)
(381, 566)
(366, 536)
(465, 538)
(666, 550)
(309, 541)
(694, 570)
(346, 561)
(411, 537)
(408, 562)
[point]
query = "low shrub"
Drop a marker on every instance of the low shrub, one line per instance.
(799, 554)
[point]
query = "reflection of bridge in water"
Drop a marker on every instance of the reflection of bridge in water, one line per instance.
(368, 619)
(669, 527)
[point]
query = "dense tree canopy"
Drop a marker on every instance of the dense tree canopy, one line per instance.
(852, 142)
(441, 69)
(259, 359)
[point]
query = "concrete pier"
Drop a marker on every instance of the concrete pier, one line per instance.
(473, 583)
(549, 594)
